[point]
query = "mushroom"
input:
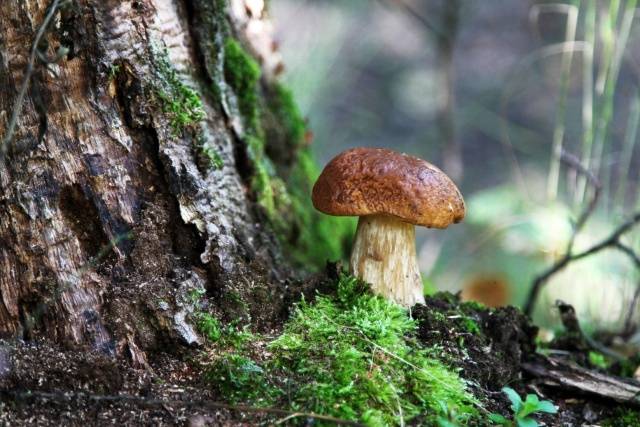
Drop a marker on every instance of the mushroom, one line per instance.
(390, 192)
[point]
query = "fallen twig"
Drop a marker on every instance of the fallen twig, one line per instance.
(561, 373)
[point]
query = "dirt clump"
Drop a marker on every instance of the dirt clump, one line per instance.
(488, 344)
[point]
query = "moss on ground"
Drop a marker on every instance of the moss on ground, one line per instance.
(623, 417)
(464, 331)
(353, 356)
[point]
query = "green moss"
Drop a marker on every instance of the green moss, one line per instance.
(234, 302)
(195, 295)
(212, 158)
(352, 356)
(286, 110)
(310, 237)
(181, 103)
(229, 336)
(429, 287)
(239, 379)
(319, 237)
(598, 360)
(439, 317)
(114, 70)
(470, 325)
(231, 370)
(242, 73)
(316, 237)
(623, 417)
(473, 306)
(209, 326)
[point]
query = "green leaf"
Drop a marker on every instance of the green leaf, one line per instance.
(526, 422)
(530, 406)
(516, 401)
(533, 404)
(443, 422)
(547, 406)
(498, 419)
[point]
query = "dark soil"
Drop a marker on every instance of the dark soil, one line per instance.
(490, 345)
(44, 385)
(487, 344)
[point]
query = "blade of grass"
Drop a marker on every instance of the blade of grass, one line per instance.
(565, 68)
(510, 85)
(587, 95)
(630, 140)
(606, 112)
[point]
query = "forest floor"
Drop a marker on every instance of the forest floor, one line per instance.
(41, 384)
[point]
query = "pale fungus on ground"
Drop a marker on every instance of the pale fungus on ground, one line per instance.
(390, 192)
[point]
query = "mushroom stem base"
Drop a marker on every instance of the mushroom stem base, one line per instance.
(384, 254)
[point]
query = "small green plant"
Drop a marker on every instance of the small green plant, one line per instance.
(209, 326)
(523, 409)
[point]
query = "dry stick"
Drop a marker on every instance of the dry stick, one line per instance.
(209, 404)
(17, 106)
(610, 242)
(574, 163)
(627, 330)
(628, 327)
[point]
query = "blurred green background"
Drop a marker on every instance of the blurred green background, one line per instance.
(491, 92)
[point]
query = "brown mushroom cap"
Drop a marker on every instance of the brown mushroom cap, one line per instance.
(369, 181)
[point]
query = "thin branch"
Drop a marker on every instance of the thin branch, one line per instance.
(573, 162)
(633, 256)
(34, 55)
(628, 326)
(611, 242)
(415, 15)
(208, 404)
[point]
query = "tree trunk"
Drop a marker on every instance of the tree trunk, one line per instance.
(138, 179)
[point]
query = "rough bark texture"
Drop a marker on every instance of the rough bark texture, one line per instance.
(109, 222)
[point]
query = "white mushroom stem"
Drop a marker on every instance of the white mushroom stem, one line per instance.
(384, 254)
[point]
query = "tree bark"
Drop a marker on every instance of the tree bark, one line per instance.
(127, 190)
